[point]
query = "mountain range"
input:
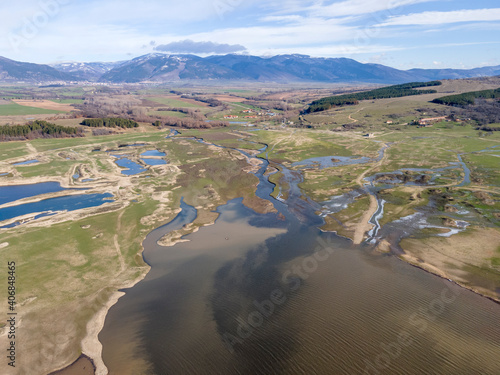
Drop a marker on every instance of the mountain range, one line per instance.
(159, 68)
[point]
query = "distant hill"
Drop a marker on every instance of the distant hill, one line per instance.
(431, 74)
(159, 67)
(282, 68)
(15, 71)
(86, 71)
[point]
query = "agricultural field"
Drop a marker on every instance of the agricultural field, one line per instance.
(15, 109)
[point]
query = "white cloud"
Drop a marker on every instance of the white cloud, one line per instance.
(358, 7)
(439, 18)
(290, 18)
(326, 51)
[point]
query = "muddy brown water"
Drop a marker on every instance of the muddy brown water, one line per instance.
(271, 294)
(202, 308)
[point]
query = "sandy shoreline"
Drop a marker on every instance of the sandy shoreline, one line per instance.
(408, 259)
(91, 346)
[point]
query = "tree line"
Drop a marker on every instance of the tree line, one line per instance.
(212, 102)
(395, 91)
(188, 123)
(467, 98)
(38, 129)
(110, 122)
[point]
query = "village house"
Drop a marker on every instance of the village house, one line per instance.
(431, 120)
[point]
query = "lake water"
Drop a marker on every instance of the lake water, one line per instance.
(331, 161)
(153, 153)
(132, 168)
(337, 316)
(27, 162)
(267, 294)
(15, 192)
(150, 161)
(68, 203)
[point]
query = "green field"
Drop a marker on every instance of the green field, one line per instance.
(13, 109)
(172, 102)
(167, 114)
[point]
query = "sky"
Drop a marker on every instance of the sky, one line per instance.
(403, 34)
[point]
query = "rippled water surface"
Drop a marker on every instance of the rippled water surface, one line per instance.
(272, 294)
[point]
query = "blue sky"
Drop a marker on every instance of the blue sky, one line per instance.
(400, 33)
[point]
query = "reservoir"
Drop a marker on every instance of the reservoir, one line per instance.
(14, 192)
(151, 161)
(272, 294)
(65, 203)
(131, 167)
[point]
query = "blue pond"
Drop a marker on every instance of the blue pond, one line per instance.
(154, 161)
(69, 203)
(15, 192)
(331, 161)
(153, 153)
(4, 174)
(133, 168)
(27, 162)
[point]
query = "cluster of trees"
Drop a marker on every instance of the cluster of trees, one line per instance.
(188, 123)
(484, 112)
(101, 131)
(483, 107)
(110, 122)
(270, 105)
(210, 101)
(38, 129)
(395, 91)
(174, 109)
(101, 106)
(467, 98)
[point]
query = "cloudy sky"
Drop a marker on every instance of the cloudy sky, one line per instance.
(399, 33)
